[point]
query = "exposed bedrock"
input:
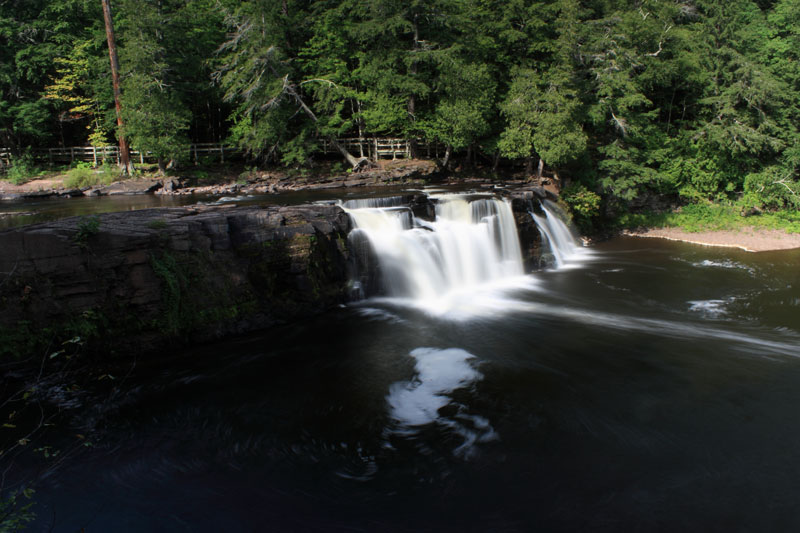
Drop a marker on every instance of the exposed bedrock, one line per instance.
(134, 281)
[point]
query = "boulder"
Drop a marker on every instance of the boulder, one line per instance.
(138, 186)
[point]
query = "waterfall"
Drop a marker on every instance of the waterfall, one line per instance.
(471, 242)
(563, 244)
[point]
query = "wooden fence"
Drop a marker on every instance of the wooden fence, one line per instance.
(374, 148)
(96, 154)
(380, 147)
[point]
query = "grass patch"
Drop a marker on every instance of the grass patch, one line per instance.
(83, 175)
(712, 217)
(157, 224)
(22, 170)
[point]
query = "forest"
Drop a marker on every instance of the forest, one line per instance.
(699, 99)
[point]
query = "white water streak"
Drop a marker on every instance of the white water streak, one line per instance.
(564, 246)
(470, 244)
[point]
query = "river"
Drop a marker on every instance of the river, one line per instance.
(642, 385)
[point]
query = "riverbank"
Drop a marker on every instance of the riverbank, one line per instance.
(732, 226)
(751, 239)
(232, 180)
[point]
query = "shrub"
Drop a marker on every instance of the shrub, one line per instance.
(157, 224)
(771, 188)
(22, 169)
(583, 204)
(87, 227)
(83, 175)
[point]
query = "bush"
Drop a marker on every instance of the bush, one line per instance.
(711, 217)
(22, 169)
(771, 188)
(83, 175)
(87, 227)
(583, 204)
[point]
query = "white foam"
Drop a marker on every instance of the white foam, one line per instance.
(418, 402)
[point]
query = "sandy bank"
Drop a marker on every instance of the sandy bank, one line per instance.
(750, 238)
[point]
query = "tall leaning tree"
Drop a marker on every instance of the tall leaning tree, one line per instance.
(273, 116)
(124, 151)
(156, 117)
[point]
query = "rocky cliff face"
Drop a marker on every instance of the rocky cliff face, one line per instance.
(134, 281)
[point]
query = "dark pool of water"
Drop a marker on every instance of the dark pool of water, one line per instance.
(655, 387)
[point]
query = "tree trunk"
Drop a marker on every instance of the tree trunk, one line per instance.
(124, 151)
(495, 162)
(540, 169)
(162, 167)
(446, 161)
(412, 102)
(360, 129)
(353, 161)
(529, 166)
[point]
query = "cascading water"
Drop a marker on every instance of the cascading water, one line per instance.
(563, 245)
(470, 243)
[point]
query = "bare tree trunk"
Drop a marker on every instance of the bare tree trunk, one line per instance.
(540, 169)
(495, 162)
(529, 166)
(352, 160)
(162, 167)
(124, 151)
(446, 161)
(412, 102)
(360, 128)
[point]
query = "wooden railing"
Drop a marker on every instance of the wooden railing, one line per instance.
(96, 154)
(371, 147)
(382, 147)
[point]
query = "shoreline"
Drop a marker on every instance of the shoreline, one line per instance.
(197, 182)
(749, 238)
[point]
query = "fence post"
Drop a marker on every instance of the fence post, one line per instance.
(141, 157)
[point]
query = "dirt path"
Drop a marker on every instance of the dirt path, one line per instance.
(36, 185)
(749, 238)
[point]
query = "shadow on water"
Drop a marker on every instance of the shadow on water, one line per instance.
(654, 387)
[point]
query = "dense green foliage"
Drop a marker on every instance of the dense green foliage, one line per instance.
(695, 98)
(710, 217)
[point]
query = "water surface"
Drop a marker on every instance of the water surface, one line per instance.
(654, 386)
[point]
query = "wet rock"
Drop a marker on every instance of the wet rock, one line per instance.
(131, 187)
(169, 185)
(422, 207)
(71, 193)
(139, 280)
(38, 194)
